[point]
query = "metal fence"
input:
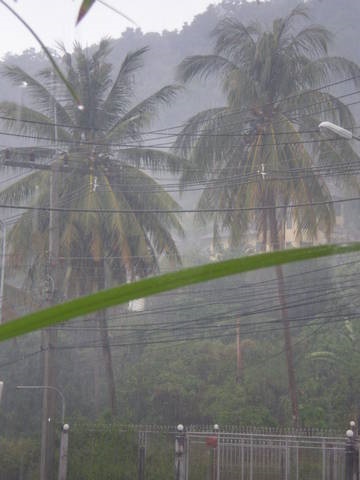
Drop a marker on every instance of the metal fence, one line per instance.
(199, 453)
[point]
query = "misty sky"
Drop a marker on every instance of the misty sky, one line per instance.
(54, 20)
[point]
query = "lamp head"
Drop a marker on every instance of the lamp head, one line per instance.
(331, 127)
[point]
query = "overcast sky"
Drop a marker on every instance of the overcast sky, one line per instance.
(54, 20)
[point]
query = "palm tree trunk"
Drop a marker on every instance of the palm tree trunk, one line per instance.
(109, 372)
(275, 243)
(106, 349)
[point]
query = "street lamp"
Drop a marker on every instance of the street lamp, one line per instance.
(340, 131)
(64, 440)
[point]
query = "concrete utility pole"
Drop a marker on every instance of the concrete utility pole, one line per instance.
(49, 335)
(49, 340)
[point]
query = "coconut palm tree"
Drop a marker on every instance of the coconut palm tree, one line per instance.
(263, 149)
(98, 166)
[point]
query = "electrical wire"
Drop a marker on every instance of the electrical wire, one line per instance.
(178, 211)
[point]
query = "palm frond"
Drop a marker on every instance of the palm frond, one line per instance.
(24, 188)
(146, 158)
(143, 113)
(45, 100)
(26, 121)
(312, 41)
(235, 40)
(120, 96)
(337, 67)
(203, 66)
(203, 122)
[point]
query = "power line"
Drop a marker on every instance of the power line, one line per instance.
(178, 211)
(127, 146)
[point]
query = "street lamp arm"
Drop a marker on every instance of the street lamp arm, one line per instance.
(48, 387)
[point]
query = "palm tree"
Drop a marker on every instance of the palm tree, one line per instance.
(98, 164)
(259, 150)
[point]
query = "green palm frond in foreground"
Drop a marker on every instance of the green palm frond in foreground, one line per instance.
(163, 283)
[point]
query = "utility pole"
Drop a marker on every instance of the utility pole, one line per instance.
(49, 335)
(49, 340)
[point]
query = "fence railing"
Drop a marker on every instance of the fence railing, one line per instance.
(209, 428)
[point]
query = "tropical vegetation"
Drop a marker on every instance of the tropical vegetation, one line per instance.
(96, 229)
(262, 152)
(188, 375)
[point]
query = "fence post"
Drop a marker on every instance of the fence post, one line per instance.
(64, 445)
(251, 456)
(287, 460)
(180, 454)
(355, 441)
(217, 431)
(142, 453)
(349, 455)
(323, 448)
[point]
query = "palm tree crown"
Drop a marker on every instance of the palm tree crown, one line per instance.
(100, 145)
(115, 219)
(268, 129)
